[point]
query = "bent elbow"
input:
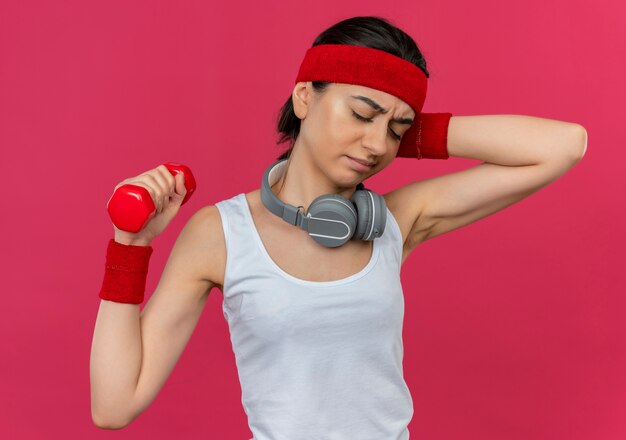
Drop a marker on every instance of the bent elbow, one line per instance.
(108, 422)
(580, 142)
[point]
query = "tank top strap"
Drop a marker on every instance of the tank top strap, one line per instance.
(243, 256)
(392, 238)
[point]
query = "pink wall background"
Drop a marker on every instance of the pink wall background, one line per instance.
(514, 325)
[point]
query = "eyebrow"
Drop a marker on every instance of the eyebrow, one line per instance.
(377, 107)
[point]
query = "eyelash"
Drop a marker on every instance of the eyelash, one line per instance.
(361, 118)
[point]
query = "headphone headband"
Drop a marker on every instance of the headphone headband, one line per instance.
(287, 212)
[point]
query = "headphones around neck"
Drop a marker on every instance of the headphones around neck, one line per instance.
(331, 219)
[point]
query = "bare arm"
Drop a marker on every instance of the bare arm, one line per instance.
(520, 155)
(133, 352)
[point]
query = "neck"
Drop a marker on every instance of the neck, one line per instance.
(302, 181)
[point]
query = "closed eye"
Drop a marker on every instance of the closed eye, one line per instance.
(364, 119)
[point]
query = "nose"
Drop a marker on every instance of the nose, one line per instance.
(375, 140)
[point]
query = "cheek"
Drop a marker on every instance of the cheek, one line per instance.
(333, 127)
(340, 125)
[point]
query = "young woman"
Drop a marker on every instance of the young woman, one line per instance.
(316, 325)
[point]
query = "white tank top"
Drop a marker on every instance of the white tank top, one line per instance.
(316, 360)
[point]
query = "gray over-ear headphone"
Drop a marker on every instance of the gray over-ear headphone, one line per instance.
(331, 219)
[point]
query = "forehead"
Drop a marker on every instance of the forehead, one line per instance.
(385, 99)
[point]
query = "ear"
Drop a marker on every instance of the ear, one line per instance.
(301, 98)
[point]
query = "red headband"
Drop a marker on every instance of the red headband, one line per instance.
(377, 69)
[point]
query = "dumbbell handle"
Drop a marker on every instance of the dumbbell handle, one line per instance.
(131, 207)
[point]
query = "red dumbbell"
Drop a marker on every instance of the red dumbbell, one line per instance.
(131, 207)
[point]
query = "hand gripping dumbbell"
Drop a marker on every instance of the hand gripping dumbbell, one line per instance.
(131, 207)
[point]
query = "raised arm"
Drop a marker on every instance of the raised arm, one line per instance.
(133, 352)
(520, 155)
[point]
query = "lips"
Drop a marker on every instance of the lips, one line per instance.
(363, 162)
(359, 166)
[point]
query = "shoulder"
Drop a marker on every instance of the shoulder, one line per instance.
(205, 238)
(204, 220)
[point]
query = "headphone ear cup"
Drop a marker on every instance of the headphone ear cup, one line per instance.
(332, 220)
(372, 214)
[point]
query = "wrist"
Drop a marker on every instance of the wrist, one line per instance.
(428, 138)
(126, 270)
(133, 242)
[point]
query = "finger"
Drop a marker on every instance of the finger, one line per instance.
(160, 187)
(161, 178)
(181, 189)
(171, 185)
(123, 182)
(169, 178)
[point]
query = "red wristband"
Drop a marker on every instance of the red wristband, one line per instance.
(126, 270)
(430, 140)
